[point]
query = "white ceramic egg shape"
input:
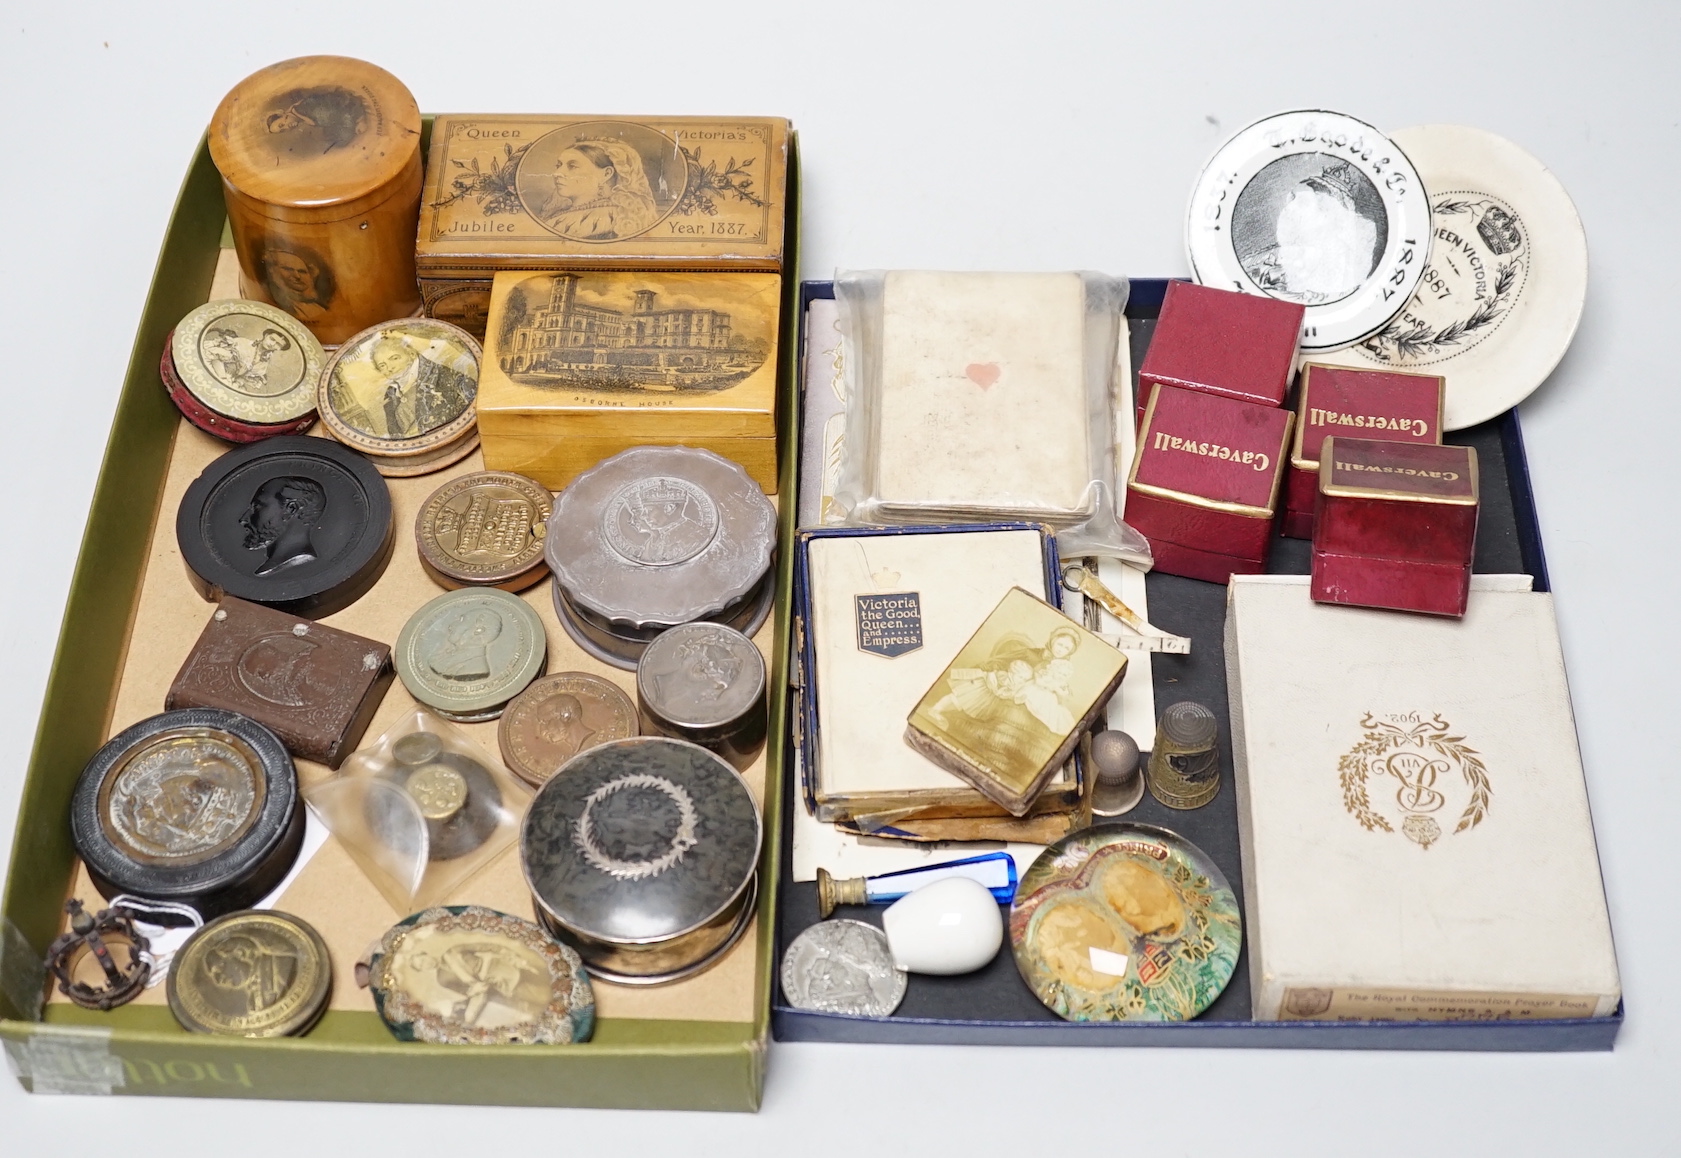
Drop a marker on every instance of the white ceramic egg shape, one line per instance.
(950, 926)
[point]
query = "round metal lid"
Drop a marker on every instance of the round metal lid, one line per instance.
(1125, 922)
(1504, 288)
(470, 650)
(660, 535)
(301, 524)
(467, 975)
(640, 840)
(700, 676)
(559, 716)
(315, 131)
(1317, 208)
(184, 804)
(248, 361)
(485, 530)
(402, 389)
(257, 973)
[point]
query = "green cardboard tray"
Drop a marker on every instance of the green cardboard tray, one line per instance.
(633, 1064)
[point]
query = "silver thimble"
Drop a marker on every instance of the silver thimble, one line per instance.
(1185, 763)
(1118, 774)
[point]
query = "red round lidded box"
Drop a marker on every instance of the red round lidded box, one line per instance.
(1205, 481)
(1395, 526)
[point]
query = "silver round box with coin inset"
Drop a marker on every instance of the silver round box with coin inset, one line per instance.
(642, 854)
(657, 536)
(704, 682)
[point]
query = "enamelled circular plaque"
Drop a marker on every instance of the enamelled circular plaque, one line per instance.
(641, 854)
(299, 524)
(198, 806)
(405, 393)
(1125, 922)
(247, 361)
(466, 975)
(660, 535)
(1508, 273)
(468, 652)
(258, 973)
(559, 716)
(485, 530)
(1316, 208)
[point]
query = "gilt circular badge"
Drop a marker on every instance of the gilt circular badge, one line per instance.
(1125, 922)
(1317, 208)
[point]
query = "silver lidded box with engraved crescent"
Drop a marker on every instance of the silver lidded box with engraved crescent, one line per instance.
(660, 535)
(641, 854)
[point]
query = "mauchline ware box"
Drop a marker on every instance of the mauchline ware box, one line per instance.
(994, 1007)
(659, 1062)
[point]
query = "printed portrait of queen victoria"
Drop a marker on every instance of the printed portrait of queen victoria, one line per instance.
(1309, 228)
(601, 181)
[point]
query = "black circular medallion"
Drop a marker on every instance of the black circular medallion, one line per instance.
(299, 524)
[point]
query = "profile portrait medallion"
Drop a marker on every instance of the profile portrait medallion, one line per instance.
(257, 973)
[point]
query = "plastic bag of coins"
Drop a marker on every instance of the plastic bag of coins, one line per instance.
(642, 855)
(705, 682)
(314, 686)
(1184, 769)
(467, 653)
(485, 530)
(405, 394)
(302, 525)
(1125, 922)
(559, 716)
(257, 973)
(466, 975)
(198, 807)
(654, 537)
(242, 370)
(420, 809)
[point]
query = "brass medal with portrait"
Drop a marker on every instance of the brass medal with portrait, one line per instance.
(1125, 922)
(466, 975)
(251, 974)
(404, 393)
(247, 361)
(467, 653)
(559, 716)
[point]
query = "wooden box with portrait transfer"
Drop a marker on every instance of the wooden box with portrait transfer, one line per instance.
(595, 193)
(579, 366)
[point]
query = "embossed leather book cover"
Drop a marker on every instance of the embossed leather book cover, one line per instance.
(1337, 401)
(602, 192)
(579, 366)
(1206, 479)
(312, 685)
(1416, 837)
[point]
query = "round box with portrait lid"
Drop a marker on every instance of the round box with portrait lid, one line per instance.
(299, 524)
(198, 806)
(404, 393)
(642, 855)
(242, 370)
(656, 536)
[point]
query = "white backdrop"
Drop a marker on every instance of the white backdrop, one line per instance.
(977, 135)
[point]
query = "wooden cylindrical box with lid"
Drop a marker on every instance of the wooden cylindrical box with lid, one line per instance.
(321, 170)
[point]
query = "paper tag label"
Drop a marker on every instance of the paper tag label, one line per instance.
(1429, 1005)
(889, 624)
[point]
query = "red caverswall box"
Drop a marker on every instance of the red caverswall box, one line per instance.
(1238, 346)
(1396, 525)
(1204, 482)
(1376, 404)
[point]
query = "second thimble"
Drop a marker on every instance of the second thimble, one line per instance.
(1185, 763)
(1118, 778)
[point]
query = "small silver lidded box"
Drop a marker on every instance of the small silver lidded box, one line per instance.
(642, 854)
(654, 537)
(704, 682)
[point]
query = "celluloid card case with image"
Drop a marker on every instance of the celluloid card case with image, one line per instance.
(1011, 707)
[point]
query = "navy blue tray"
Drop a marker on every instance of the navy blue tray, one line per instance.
(994, 1007)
